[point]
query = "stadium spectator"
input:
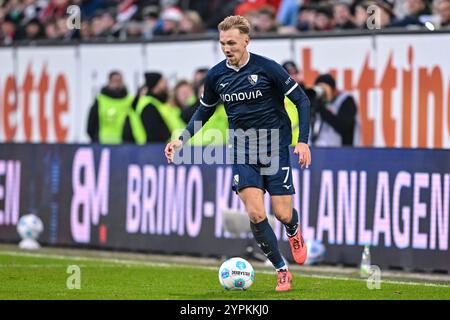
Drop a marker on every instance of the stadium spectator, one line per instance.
(199, 76)
(191, 23)
(51, 30)
(33, 30)
(400, 9)
(248, 6)
(386, 12)
(150, 16)
(383, 10)
(109, 112)
(155, 119)
(96, 27)
(8, 31)
(31, 9)
(63, 31)
(185, 98)
(265, 20)
(343, 16)
(183, 95)
(361, 15)
(55, 9)
(89, 8)
(197, 88)
(287, 12)
(157, 86)
(306, 16)
(323, 20)
(335, 115)
(107, 19)
(134, 30)
(101, 25)
(218, 122)
(85, 31)
(170, 22)
(200, 88)
(213, 11)
(417, 10)
(443, 13)
(13, 11)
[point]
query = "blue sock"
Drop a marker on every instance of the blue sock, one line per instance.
(267, 241)
(292, 227)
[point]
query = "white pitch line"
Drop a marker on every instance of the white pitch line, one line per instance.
(163, 264)
(79, 258)
(51, 266)
(425, 284)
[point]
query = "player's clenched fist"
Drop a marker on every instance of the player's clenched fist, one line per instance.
(304, 154)
(170, 149)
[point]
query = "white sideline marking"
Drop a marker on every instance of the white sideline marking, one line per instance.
(163, 264)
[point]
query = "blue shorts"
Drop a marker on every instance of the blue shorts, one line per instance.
(279, 183)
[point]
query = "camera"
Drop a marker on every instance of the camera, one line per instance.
(317, 98)
(316, 94)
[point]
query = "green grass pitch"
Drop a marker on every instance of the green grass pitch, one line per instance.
(42, 276)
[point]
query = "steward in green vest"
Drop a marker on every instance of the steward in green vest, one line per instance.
(218, 122)
(214, 132)
(154, 119)
(109, 112)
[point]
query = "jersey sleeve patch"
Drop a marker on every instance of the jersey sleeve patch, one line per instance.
(291, 89)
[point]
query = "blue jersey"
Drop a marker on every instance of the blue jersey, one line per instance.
(253, 95)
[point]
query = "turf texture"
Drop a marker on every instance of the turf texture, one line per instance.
(34, 276)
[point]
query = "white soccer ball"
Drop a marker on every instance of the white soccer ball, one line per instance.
(236, 274)
(30, 226)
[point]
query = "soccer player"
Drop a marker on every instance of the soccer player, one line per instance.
(252, 89)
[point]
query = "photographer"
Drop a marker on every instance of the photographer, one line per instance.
(333, 114)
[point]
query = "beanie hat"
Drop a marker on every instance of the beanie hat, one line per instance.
(327, 79)
(151, 79)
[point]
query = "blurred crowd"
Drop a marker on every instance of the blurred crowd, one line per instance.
(152, 114)
(158, 113)
(144, 19)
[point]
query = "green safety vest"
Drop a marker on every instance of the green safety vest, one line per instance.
(170, 115)
(219, 122)
(112, 113)
(292, 112)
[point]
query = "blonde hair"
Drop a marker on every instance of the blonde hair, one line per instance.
(235, 22)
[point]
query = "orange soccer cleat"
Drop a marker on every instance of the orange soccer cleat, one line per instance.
(298, 247)
(284, 279)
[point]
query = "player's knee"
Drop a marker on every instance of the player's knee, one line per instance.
(283, 217)
(256, 216)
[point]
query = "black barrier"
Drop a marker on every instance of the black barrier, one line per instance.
(129, 198)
